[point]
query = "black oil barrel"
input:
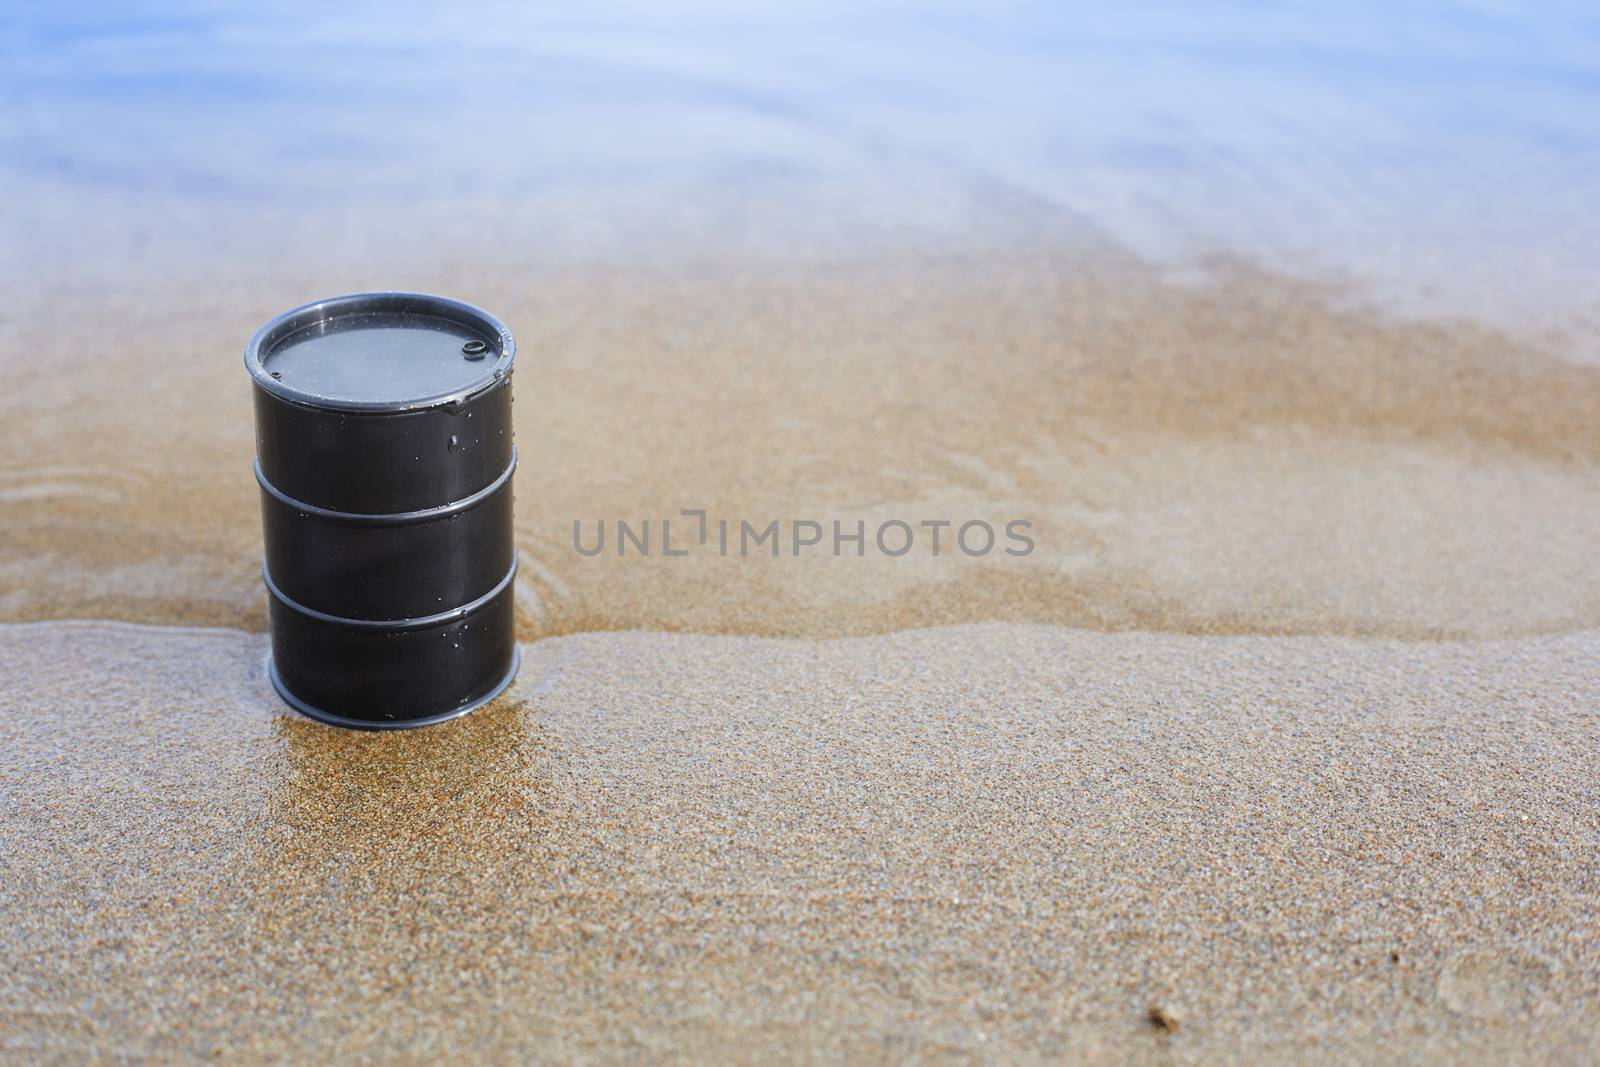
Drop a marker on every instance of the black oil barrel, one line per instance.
(384, 453)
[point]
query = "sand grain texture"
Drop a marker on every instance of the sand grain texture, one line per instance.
(997, 842)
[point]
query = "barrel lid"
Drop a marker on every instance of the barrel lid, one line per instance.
(380, 352)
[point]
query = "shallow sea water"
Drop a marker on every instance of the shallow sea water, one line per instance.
(1203, 300)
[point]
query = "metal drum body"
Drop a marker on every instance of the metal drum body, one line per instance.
(384, 454)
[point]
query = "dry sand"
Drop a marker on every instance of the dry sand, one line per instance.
(994, 842)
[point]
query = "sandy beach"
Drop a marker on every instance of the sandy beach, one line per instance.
(1280, 747)
(997, 842)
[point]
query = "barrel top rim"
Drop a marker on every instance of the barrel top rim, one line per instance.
(267, 339)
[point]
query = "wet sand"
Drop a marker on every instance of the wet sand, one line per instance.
(1280, 747)
(996, 842)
